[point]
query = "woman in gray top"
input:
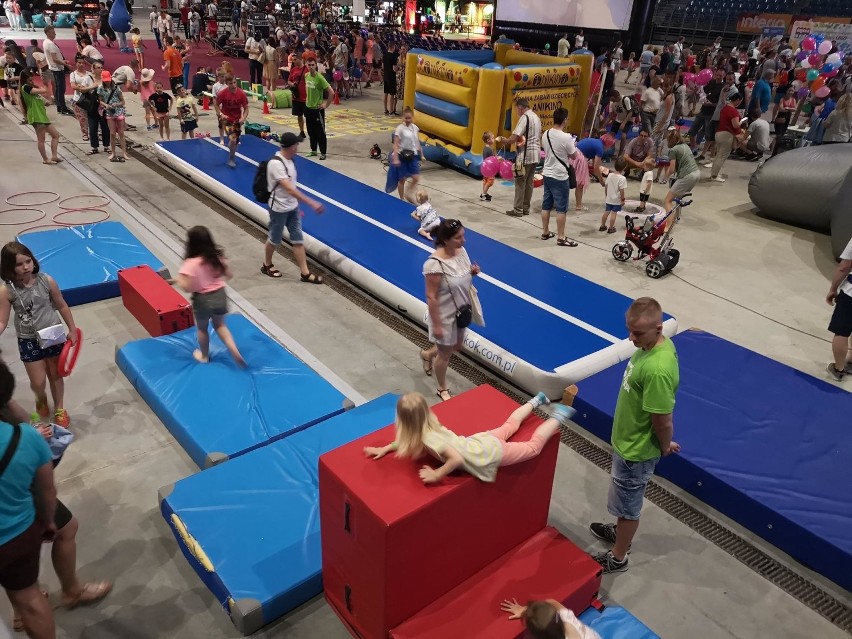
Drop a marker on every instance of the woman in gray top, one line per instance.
(38, 305)
(449, 274)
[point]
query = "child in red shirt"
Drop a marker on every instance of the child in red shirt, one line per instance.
(231, 106)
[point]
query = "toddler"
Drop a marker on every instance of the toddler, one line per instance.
(418, 431)
(646, 184)
(548, 619)
(615, 184)
(425, 214)
(487, 152)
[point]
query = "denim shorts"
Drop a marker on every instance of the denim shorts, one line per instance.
(627, 487)
(556, 194)
(292, 220)
(31, 352)
(613, 208)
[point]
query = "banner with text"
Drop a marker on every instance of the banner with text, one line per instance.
(544, 102)
(757, 22)
(840, 34)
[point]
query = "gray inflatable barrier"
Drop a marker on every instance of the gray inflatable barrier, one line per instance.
(810, 187)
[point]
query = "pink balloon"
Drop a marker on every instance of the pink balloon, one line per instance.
(490, 166)
(688, 78)
(822, 92)
(808, 44)
(703, 78)
(825, 46)
(506, 170)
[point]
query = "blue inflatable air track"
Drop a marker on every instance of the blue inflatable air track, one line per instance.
(85, 260)
(250, 528)
(366, 229)
(764, 444)
(217, 411)
(616, 623)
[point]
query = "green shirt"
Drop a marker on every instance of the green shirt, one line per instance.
(315, 86)
(684, 161)
(36, 110)
(648, 387)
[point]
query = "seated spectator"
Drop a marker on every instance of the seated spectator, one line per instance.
(637, 150)
(200, 82)
(756, 142)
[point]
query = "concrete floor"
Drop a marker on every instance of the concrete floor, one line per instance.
(755, 282)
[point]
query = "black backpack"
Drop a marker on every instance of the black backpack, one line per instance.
(260, 186)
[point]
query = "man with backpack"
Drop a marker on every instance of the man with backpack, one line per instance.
(275, 183)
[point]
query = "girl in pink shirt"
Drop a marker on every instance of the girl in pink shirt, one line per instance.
(204, 273)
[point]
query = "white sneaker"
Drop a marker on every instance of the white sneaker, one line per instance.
(718, 178)
(707, 165)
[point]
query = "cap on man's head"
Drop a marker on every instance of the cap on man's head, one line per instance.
(289, 139)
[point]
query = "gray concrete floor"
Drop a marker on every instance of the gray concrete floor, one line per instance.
(755, 282)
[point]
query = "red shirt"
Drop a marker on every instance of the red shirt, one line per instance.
(232, 103)
(728, 113)
(297, 78)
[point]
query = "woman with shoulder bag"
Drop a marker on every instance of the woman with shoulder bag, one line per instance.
(405, 157)
(83, 84)
(558, 174)
(451, 299)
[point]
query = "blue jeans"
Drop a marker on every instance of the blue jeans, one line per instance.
(292, 220)
(59, 90)
(627, 486)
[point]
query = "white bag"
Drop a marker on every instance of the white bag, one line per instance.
(51, 336)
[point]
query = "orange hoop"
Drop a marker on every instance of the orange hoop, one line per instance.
(68, 356)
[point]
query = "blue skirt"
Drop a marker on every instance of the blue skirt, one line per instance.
(404, 171)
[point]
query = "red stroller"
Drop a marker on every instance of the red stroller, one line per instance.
(652, 241)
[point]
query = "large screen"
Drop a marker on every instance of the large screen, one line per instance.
(589, 14)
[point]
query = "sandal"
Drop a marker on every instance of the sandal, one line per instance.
(602, 227)
(581, 208)
(85, 137)
(115, 158)
(92, 152)
(427, 364)
(611, 229)
(566, 242)
(270, 270)
(311, 278)
(547, 236)
(92, 591)
(444, 391)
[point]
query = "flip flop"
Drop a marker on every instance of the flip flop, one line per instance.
(92, 591)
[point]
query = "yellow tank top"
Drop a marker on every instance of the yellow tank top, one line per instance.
(481, 452)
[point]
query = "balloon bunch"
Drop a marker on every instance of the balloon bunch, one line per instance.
(702, 78)
(815, 66)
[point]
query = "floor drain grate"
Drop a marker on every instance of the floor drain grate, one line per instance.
(802, 589)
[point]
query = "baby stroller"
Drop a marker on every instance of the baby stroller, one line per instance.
(652, 241)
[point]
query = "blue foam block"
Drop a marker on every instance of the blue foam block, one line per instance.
(256, 518)
(85, 260)
(217, 411)
(763, 443)
(616, 623)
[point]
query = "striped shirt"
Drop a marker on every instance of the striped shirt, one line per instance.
(532, 149)
(482, 452)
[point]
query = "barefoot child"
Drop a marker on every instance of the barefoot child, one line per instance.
(614, 184)
(161, 102)
(32, 105)
(187, 112)
(418, 431)
(146, 90)
(646, 183)
(487, 152)
(204, 273)
(548, 619)
(425, 214)
(38, 305)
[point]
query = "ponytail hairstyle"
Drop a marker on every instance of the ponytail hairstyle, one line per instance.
(199, 243)
(413, 418)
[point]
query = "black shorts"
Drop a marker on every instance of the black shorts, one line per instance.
(616, 127)
(390, 86)
(188, 126)
(19, 559)
(841, 319)
(710, 130)
(644, 197)
(298, 108)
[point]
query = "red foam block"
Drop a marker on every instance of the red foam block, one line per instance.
(150, 299)
(546, 566)
(391, 545)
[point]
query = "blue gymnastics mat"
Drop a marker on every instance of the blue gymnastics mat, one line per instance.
(251, 528)
(764, 444)
(217, 411)
(85, 260)
(616, 623)
(516, 289)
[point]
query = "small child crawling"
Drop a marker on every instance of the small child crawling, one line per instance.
(425, 214)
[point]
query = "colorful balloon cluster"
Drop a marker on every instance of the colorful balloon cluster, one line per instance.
(815, 66)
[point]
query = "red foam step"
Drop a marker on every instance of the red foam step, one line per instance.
(391, 545)
(155, 304)
(546, 566)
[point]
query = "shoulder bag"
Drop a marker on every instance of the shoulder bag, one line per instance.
(88, 101)
(518, 168)
(572, 176)
(464, 313)
(48, 336)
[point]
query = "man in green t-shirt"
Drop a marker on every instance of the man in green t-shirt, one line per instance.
(641, 429)
(317, 97)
